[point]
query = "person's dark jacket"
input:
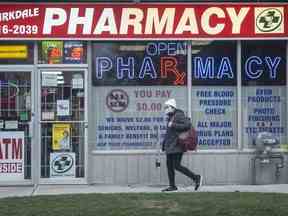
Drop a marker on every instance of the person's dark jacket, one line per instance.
(179, 124)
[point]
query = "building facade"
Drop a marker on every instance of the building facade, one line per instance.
(83, 86)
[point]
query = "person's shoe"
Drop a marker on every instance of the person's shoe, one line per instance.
(170, 188)
(198, 182)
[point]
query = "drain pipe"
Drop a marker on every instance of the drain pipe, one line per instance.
(279, 166)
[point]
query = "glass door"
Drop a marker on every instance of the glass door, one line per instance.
(15, 126)
(63, 124)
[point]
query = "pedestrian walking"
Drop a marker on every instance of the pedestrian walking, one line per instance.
(176, 123)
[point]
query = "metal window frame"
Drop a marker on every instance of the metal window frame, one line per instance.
(236, 149)
(66, 68)
(25, 69)
(239, 96)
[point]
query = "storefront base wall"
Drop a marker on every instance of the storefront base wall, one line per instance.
(217, 169)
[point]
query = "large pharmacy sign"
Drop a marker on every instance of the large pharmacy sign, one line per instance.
(142, 21)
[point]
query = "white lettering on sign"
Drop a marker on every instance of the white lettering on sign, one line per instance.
(148, 21)
(53, 17)
(237, 19)
(131, 17)
(187, 22)
(167, 21)
(86, 21)
(205, 21)
(18, 14)
(106, 22)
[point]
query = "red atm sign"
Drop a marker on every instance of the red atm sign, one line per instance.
(142, 21)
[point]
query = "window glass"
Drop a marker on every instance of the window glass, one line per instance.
(62, 89)
(264, 89)
(131, 82)
(62, 123)
(15, 119)
(214, 93)
(62, 52)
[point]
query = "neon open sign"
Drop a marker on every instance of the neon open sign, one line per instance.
(162, 63)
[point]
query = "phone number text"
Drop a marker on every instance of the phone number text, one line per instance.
(19, 29)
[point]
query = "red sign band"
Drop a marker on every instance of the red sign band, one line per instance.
(142, 21)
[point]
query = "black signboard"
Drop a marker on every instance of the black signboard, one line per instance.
(138, 63)
(214, 63)
(263, 63)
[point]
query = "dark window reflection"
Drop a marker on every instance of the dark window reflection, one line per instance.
(263, 62)
(214, 63)
(139, 63)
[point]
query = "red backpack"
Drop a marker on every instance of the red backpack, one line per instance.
(188, 140)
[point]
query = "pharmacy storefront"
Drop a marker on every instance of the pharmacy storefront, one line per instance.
(82, 88)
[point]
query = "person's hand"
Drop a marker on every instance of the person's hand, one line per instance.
(170, 124)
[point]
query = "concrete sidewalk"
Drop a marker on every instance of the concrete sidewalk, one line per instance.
(20, 191)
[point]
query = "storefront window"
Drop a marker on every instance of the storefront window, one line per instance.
(62, 123)
(62, 52)
(15, 118)
(214, 93)
(131, 81)
(264, 89)
(16, 52)
(62, 95)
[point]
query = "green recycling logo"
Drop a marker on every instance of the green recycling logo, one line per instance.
(269, 20)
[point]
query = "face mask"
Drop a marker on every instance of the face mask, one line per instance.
(168, 110)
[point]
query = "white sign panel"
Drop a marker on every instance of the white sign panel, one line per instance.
(49, 79)
(264, 110)
(10, 125)
(63, 108)
(48, 115)
(214, 114)
(12, 155)
(77, 83)
(133, 118)
(62, 165)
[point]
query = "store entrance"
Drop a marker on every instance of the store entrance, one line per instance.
(63, 125)
(16, 126)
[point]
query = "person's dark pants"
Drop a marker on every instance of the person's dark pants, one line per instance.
(173, 162)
